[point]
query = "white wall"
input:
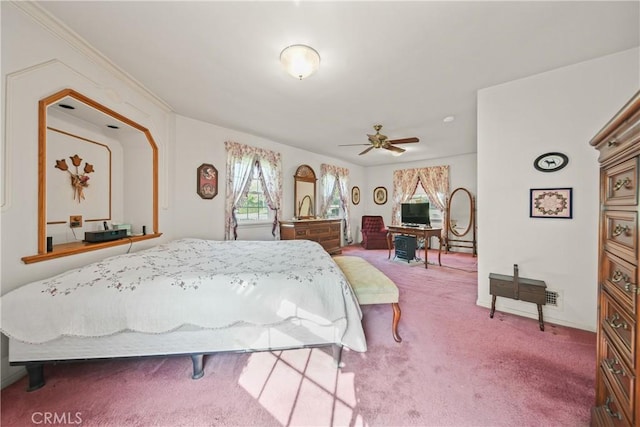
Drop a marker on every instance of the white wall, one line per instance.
(560, 110)
(201, 142)
(35, 64)
(462, 173)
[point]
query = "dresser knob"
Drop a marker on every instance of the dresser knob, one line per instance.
(631, 288)
(617, 276)
(612, 414)
(613, 324)
(610, 366)
(622, 183)
(619, 229)
(612, 143)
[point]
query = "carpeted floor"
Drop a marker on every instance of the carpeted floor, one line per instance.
(455, 367)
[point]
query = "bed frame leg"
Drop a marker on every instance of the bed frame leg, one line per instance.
(36, 376)
(198, 366)
(337, 355)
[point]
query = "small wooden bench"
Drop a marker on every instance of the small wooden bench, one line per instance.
(371, 286)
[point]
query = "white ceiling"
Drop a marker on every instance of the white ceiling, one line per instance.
(405, 65)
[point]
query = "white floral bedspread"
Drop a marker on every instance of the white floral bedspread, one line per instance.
(204, 283)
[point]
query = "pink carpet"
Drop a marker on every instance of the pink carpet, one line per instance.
(455, 367)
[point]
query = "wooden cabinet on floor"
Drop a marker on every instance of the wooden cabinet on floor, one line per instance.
(618, 343)
(324, 231)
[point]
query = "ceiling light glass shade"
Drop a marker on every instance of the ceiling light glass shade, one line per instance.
(300, 60)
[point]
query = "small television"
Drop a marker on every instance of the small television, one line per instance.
(416, 214)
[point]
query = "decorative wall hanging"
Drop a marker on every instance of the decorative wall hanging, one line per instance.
(355, 195)
(207, 181)
(79, 181)
(551, 203)
(380, 195)
(550, 162)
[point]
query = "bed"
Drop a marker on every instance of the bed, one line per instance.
(186, 297)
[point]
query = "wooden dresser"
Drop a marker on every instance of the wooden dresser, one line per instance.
(324, 231)
(618, 342)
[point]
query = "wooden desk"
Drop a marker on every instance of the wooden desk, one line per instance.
(418, 232)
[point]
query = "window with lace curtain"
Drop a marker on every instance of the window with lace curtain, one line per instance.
(420, 196)
(254, 206)
(335, 206)
(254, 188)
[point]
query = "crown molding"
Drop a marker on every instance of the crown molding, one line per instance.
(63, 32)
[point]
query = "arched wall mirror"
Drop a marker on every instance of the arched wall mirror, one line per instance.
(461, 220)
(304, 192)
(95, 167)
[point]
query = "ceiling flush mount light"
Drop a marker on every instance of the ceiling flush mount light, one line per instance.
(300, 60)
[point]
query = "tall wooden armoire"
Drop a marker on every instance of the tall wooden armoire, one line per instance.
(618, 343)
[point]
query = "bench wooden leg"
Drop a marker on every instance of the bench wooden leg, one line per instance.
(396, 320)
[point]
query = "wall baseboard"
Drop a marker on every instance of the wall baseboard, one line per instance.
(547, 317)
(11, 374)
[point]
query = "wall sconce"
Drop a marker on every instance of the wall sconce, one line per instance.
(300, 60)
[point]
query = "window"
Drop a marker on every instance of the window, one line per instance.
(335, 206)
(253, 207)
(419, 196)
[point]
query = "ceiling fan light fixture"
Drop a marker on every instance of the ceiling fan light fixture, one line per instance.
(300, 60)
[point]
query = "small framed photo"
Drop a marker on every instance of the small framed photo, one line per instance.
(207, 181)
(355, 195)
(380, 195)
(551, 203)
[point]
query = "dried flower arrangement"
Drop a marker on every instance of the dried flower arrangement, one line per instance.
(79, 181)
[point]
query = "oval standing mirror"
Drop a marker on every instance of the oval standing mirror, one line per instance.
(96, 168)
(461, 220)
(304, 192)
(460, 208)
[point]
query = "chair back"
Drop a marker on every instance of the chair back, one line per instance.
(372, 223)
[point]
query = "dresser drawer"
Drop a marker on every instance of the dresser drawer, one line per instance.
(621, 184)
(621, 234)
(620, 376)
(620, 139)
(609, 411)
(319, 230)
(621, 281)
(620, 327)
(302, 233)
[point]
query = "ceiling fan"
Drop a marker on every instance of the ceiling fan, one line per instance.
(381, 141)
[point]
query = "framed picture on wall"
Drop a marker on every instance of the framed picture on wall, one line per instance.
(207, 181)
(380, 195)
(551, 203)
(355, 195)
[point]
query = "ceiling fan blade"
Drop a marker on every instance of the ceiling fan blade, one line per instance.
(394, 148)
(367, 150)
(404, 140)
(350, 145)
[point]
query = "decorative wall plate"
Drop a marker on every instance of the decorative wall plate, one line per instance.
(550, 162)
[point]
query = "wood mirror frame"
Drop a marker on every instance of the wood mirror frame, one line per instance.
(452, 226)
(304, 188)
(470, 227)
(67, 249)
